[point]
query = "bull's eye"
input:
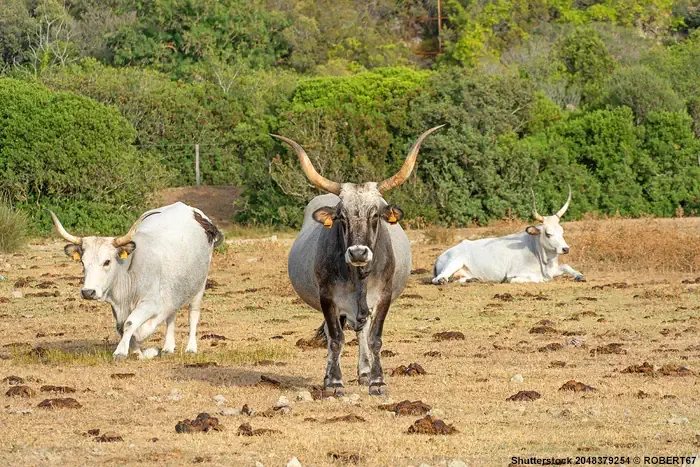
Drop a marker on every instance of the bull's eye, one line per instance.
(106, 263)
(549, 235)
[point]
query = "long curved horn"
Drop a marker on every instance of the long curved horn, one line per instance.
(407, 167)
(63, 232)
(562, 211)
(314, 177)
(121, 241)
(535, 214)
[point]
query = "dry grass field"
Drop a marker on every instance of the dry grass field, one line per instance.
(641, 304)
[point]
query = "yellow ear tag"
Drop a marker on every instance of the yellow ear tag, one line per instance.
(392, 219)
(328, 223)
(76, 256)
(123, 254)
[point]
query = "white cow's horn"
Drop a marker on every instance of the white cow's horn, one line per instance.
(121, 241)
(315, 178)
(562, 211)
(63, 232)
(407, 167)
(535, 214)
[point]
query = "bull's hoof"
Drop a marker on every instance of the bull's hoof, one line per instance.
(440, 281)
(378, 389)
(334, 390)
(363, 380)
(580, 279)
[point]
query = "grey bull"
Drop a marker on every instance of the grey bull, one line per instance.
(529, 256)
(350, 261)
(148, 274)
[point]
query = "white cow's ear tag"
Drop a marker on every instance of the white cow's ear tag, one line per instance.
(328, 223)
(392, 219)
(123, 254)
(76, 256)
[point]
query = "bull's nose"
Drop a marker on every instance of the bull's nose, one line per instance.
(88, 294)
(565, 250)
(358, 254)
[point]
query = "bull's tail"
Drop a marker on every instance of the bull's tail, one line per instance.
(219, 239)
(320, 334)
(214, 235)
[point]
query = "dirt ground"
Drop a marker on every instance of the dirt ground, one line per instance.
(641, 303)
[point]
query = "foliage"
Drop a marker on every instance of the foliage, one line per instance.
(13, 228)
(67, 152)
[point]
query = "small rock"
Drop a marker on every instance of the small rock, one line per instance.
(219, 399)
(456, 463)
(676, 420)
(517, 379)
(294, 462)
(229, 412)
(575, 342)
(16, 294)
(174, 396)
(304, 396)
(437, 413)
(20, 411)
(281, 402)
(259, 464)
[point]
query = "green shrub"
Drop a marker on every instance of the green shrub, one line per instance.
(68, 152)
(13, 228)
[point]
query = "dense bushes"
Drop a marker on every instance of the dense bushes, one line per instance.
(67, 152)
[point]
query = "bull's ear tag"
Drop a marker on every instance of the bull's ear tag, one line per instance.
(76, 256)
(392, 219)
(328, 223)
(123, 254)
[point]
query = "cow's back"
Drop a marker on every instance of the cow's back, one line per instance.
(172, 252)
(302, 256)
(498, 259)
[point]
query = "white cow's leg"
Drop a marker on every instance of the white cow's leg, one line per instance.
(169, 342)
(566, 269)
(195, 305)
(141, 334)
(450, 268)
(525, 279)
(462, 275)
(364, 355)
(138, 317)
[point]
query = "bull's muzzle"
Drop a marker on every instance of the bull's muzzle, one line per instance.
(358, 255)
(565, 250)
(88, 294)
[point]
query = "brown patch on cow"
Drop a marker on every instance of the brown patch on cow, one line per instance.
(203, 423)
(543, 330)
(58, 389)
(12, 379)
(201, 365)
(608, 349)
(345, 457)
(525, 396)
(60, 403)
(449, 336)
(645, 369)
(576, 386)
(349, 418)
(671, 369)
(211, 336)
(109, 437)
(388, 353)
(430, 425)
(407, 408)
(506, 297)
(209, 228)
(554, 346)
(432, 353)
(246, 430)
(413, 369)
(20, 391)
(122, 375)
(557, 364)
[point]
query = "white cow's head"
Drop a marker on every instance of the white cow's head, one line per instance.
(101, 257)
(550, 232)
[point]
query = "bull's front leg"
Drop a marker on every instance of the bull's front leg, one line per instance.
(364, 356)
(333, 381)
(377, 386)
(142, 313)
(566, 269)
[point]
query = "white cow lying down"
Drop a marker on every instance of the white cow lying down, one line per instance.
(529, 256)
(148, 274)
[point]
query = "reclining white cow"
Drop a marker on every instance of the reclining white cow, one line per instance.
(529, 256)
(148, 274)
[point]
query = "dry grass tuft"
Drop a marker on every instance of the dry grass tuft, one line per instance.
(439, 235)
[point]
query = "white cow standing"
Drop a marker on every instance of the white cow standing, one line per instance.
(529, 256)
(148, 274)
